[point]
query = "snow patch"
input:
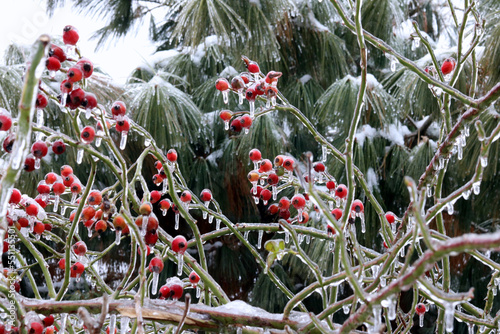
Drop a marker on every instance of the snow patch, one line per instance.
(305, 78)
(212, 158)
(371, 179)
(256, 3)
(201, 49)
(229, 72)
(395, 133)
(316, 25)
(161, 57)
(366, 131)
(239, 307)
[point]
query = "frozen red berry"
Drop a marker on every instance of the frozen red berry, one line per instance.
(89, 101)
(53, 64)
(74, 74)
(246, 121)
(289, 163)
(164, 292)
(179, 244)
(225, 115)
(319, 167)
(58, 147)
(36, 328)
(118, 109)
(48, 320)
(330, 185)
(206, 195)
(337, 213)
(29, 163)
(284, 203)
(5, 120)
(66, 86)
(357, 206)
(266, 195)
(165, 204)
(38, 228)
(341, 191)
(88, 134)
(236, 125)
(80, 248)
(66, 170)
(156, 265)
(57, 52)
(39, 149)
(86, 66)
(123, 125)
(298, 201)
(77, 269)
(252, 66)
(70, 35)
(15, 196)
(155, 196)
(194, 278)
(95, 197)
(77, 96)
(391, 217)
(251, 94)
(172, 155)
(101, 226)
(222, 84)
(420, 309)
(186, 196)
(41, 101)
(255, 155)
(145, 209)
(8, 142)
(272, 77)
(62, 264)
(273, 179)
(448, 66)
(265, 166)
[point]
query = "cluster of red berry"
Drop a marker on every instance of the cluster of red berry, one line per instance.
(249, 87)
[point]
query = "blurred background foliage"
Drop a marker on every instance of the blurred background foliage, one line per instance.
(174, 98)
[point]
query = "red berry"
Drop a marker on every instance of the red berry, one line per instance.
(319, 167)
(266, 195)
(80, 248)
(179, 244)
(29, 163)
(194, 278)
(252, 66)
(62, 264)
(77, 269)
(95, 197)
(86, 66)
(15, 196)
(58, 147)
(420, 309)
(357, 206)
(273, 209)
(206, 195)
(284, 203)
(76, 188)
(89, 101)
(285, 214)
(337, 213)
(75, 74)
(155, 196)
(35, 328)
(237, 83)
(66, 86)
(255, 155)
(222, 84)
(164, 292)
(88, 213)
(8, 142)
(66, 170)
(298, 201)
(50, 330)
(57, 52)
(341, 191)
(251, 94)
(39, 228)
(145, 209)
(151, 238)
(5, 120)
(273, 76)
(165, 204)
(186, 196)
(236, 125)
(70, 35)
(156, 265)
(225, 115)
(88, 134)
(41, 101)
(305, 217)
(265, 166)
(172, 155)
(101, 226)
(246, 121)
(77, 96)
(53, 64)
(122, 125)
(39, 149)
(58, 188)
(48, 320)
(288, 164)
(118, 109)
(330, 185)
(448, 66)
(157, 179)
(43, 187)
(260, 88)
(330, 229)
(391, 217)
(273, 179)
(176, 290)
(246, 77)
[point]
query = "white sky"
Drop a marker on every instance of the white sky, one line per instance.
(22, 21)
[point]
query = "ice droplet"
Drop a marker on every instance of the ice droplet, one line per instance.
(392, 309)
(165, 185)
(79, 155)
(176, 221)
(345, 308)
(324, 153)
(484, 162)
(429, 190)
(241, 96)
(363, 226)
(308, 239)
(466, 194)
(287, 237)
(394, 61)
(383, 281)
(147, 141)
(37, 163)
(377, 314)
(210, 219)
(471, 328)
(198, 291)
(421, 319)
(449, 208)
(39, 117)
(476, 187)
(64, 318)
(259, 240)
(112, 323)
(123, 140)
(252, 109)
(56, 202)
(245, 235)
(124, 325)
(449, 312)
(217, 223)
(226, 125)
(118, 237)
(225, 96)
(180, 263)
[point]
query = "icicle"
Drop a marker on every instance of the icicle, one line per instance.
(467, 129)
(56, 203)
(210, 219)
(275, 192)
(63, 209)
(217, 223)
(79, 156)
(180, 263)
(98, 140)
(123, 140)
(225, 96)
(487, 253)
(37, 163)
(471, 328)
(268, 103)
(377, 314)
(299, 214)
(393, 228)
(39, 118)
(466, 194)
(259, 240)
(241, 97)
(421, 319)
(449, 208)
(287, 237)
(429, 190)
(484, 162)
(245, 235)
(205, 214)
(324, 153)
(460, 152)
(124, 325)
(176, 221)
(165, 186)
(392, 309)
(144, 225)
(252, 109)
(89, 232)
(441, 163)
(415, 43)
(247, 130)
(308, 239)
(402, 251)
(363, 226)
(64, 317)
(383, 281)
(52, 74)
(449, 312)
(256, 199)
(112, 323)
(118, 237)
(476, 187)
(345, 308)
(147, 142)
(88, 113)
(62, 104)
(226, 125)
(154, 288)
(394, 61)
(330, 205)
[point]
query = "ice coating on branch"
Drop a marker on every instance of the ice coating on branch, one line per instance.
(238, 307)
